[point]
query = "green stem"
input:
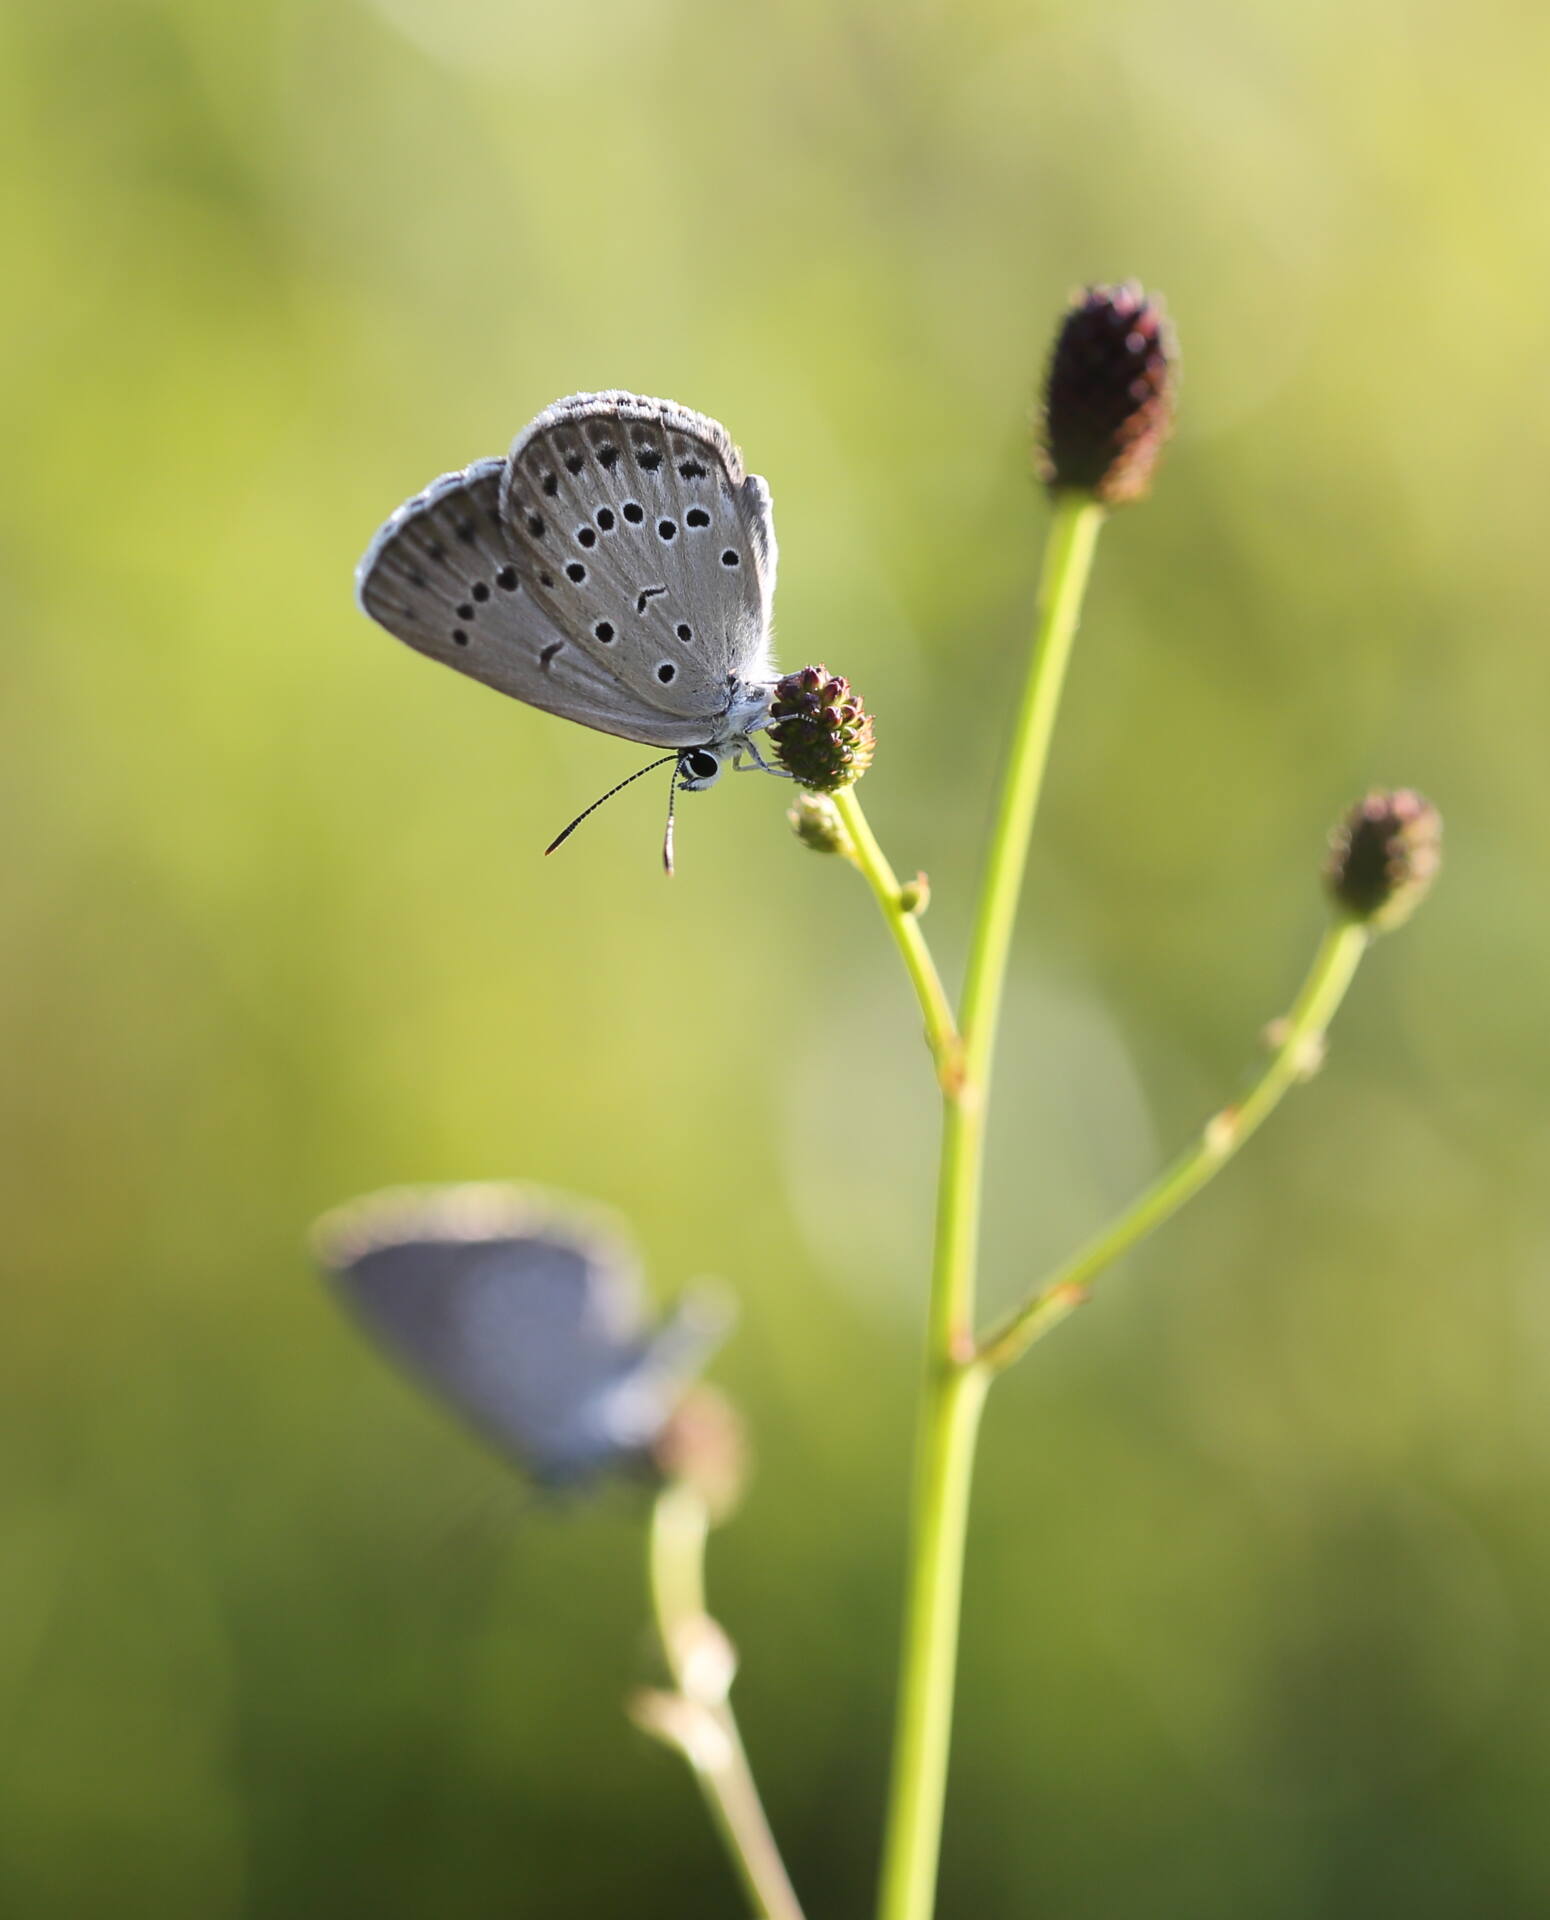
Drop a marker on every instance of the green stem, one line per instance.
(1299, 1044)
(680, 1528)
(923, 1727)
(955, 1382)
(700, 1723)
(904, 925)
(1068, 558)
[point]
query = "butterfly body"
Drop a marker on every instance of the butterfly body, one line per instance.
(616, 568)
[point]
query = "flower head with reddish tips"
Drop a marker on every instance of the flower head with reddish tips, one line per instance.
(1109, 395)
(821, 732)
(1383, 857)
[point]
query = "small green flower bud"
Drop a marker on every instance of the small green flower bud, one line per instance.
(1383, 857)
(1109, 394)
(821, 732)
(816, 824)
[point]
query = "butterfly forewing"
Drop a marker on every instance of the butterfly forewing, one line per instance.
(445, 576)
(648, 542)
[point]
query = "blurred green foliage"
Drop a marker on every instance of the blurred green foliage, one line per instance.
(1260, 1569)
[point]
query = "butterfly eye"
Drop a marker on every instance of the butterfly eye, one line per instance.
(702, 765)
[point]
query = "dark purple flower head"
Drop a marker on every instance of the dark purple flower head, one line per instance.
(1383, 857)
(1109, 395)
(821, 732)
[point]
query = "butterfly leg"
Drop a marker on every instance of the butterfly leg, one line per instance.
(760, 764)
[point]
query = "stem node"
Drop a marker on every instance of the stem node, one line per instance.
(963, 1350)
(951, 1073)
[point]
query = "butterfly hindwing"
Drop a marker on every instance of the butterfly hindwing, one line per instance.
(445, 576)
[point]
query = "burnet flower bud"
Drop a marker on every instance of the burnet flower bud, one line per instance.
(1109, 395)
(704, 1445)
(821, 733)
(816, 824)
(1383, 857)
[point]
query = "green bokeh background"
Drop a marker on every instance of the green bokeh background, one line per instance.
(1260, 1568)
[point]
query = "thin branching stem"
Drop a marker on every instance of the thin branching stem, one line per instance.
(1299, 1046)
(960, 1369)
(900, 909)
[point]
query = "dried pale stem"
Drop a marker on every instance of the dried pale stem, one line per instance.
(697, 1720)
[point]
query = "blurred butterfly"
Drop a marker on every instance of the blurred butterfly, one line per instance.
(524, 1314)
(617, 567)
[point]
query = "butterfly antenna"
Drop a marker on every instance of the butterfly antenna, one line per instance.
(667, 838)
(560, 838)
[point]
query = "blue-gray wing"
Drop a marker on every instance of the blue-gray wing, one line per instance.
(451, 578)
(526, 1316)
(641, 525)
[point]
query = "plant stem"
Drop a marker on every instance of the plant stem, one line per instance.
(923, 1725)
(904, 925)
(1068, 558)
(955, 1382)
(680, 1528)
(1297, 1052)
(699, 1721)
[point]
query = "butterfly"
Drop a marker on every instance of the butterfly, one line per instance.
(525, 1314)
(617, 567)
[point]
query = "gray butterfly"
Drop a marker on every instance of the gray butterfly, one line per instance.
(523, 1313)
(617, 567)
